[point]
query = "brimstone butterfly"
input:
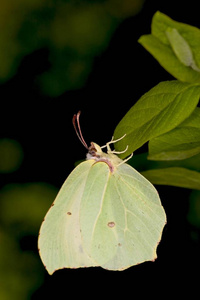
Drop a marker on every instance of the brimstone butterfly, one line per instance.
(106, 214)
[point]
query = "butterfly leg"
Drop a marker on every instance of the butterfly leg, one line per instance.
(119, 152)
(125, 160)
(112, 142)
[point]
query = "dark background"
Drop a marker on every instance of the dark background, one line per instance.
(41, 123)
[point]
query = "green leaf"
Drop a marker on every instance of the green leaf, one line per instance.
(180, 143)
(141, 163)
(179, 177)
(158, 111)
(181, 48)
(176, 47)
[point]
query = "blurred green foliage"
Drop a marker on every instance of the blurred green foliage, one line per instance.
(11, 155)
(22, 209)
(20, 271)
(23, 206)
(73, 31)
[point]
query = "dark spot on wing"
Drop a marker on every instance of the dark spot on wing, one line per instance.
(111, 224)
(69, 213)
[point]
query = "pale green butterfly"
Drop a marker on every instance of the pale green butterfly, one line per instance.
(106, 214)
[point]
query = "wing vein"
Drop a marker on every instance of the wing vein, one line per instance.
(139, 196)
(127, 228)
(101, 205)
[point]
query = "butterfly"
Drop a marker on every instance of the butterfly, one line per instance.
(106, 214)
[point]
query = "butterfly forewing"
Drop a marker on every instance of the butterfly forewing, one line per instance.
(60, 241)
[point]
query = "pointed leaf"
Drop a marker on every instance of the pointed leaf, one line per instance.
(141, 163)
(179, 177)
(176, 47)
(158, 111)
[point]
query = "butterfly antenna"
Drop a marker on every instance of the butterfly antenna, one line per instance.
(76, 122)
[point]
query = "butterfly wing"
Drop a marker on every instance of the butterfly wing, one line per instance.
(96, 213)
(60, 242)
(144, 217)
(121, 217)
(99, 218)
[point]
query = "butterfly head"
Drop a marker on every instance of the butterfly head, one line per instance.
(94, 151)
